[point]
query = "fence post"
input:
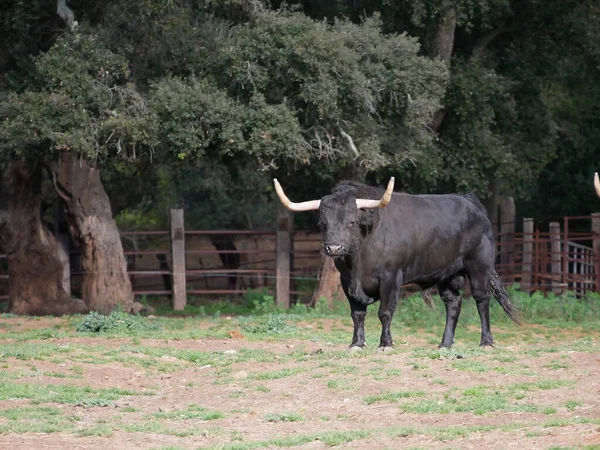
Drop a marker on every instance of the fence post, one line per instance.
(555, 255)
(507, 236)
(565, 254)
(527, 254)
(596, 245)
(282, 262)
(178, 260)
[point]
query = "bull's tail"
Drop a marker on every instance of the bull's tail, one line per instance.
(501, 295)
(427, 298)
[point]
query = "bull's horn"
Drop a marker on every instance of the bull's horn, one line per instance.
(304, 206)
(597, 183)
(382, 202)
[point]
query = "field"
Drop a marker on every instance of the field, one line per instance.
(251, 377)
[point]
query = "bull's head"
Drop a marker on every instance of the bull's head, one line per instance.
(341, 216)
(597, 183)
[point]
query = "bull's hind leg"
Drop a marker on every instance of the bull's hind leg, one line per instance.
(449, 291)
(479, 277)
(390, 291)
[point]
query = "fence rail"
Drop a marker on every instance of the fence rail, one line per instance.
(545, 256)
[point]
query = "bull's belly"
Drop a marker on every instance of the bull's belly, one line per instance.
(433, 276)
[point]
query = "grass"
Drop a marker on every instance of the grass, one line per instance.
(58, 393)
(392, 397)
(294, 370)
(193, 411)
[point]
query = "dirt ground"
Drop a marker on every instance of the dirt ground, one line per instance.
(533, 392)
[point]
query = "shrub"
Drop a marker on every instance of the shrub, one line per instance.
(116, 321)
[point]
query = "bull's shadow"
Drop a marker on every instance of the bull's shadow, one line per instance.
(380, 240)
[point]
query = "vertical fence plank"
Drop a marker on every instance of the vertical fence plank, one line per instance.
(527, 254)
(555, 257)
(178, 260)
(284, 245)
(565, 253)
(596, 245)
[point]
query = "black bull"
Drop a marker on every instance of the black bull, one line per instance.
(427, 240)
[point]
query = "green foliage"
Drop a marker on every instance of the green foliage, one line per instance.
(82, 102)
(343, 80)
(260, 301)
(115, 322)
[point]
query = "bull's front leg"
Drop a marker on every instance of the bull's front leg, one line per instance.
(390, 291)
(358, 313)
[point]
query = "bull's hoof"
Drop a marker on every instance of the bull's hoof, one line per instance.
(385, 349)
(356, 348)
(446, 346)
(486, 346)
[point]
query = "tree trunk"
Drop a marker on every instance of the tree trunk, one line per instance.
(329, 286)
(105, 284)
(491, 206)
(441, 43)
(443, 38)
(34, 267)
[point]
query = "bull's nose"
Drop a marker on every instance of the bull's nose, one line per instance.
(332, 249)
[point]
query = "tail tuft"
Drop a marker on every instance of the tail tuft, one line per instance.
(501, 295)
(427, 298)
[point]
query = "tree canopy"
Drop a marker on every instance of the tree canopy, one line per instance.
(202, 102)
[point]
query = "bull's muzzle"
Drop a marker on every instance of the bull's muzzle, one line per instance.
(333, 250)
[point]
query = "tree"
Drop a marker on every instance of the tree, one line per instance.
(36, 273)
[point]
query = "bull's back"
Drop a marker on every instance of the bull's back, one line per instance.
(428, 236)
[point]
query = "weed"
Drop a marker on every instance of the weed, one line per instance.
(284, 417)
(571, 405)
(93, 402)
(557, 365)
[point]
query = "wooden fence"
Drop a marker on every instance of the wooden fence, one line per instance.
(546, 256)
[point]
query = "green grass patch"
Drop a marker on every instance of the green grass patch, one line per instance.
(557, 365)
(470, 365)
(392, 397)
(477, 400)
(571, 405)
(193, 411)
(277, 374)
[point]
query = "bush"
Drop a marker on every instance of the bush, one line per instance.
(116, 321)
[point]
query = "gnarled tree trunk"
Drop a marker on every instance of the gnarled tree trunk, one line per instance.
(34, 267)
(105, 283)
